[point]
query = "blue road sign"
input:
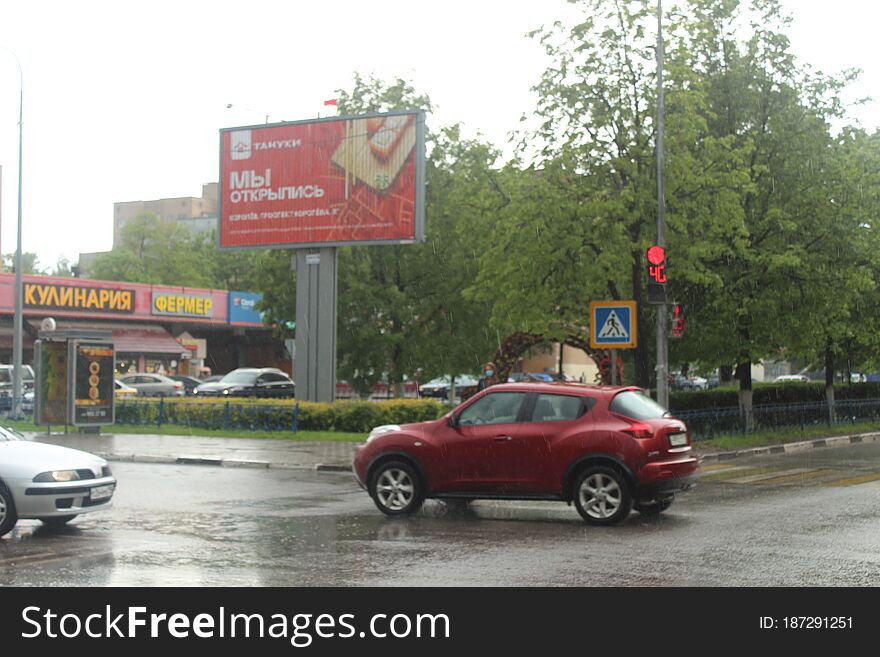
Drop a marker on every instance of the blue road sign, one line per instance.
(613, 324)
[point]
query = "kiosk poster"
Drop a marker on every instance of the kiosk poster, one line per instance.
(51, 397)
(92, 383)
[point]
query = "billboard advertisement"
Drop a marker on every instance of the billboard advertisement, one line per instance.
(326, 182)
(242, 308)
(91, 401)
(50, 359)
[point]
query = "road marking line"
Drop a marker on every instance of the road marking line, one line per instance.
(724, 475)
(714, 467)
(783, 479)
(766, 476)
(854, 481)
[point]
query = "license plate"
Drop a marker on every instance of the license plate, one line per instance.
(678, 439)
(101, 492)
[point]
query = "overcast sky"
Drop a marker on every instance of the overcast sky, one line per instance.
(124, 101)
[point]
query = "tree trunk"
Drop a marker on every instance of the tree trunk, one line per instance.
(829, 378)
(561, 349)
(725, 374)
(744, 375)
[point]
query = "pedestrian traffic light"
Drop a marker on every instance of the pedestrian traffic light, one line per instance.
(678, 321)
(656, 274)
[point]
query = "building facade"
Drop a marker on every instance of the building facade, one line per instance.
(154, 327)
(195, 213)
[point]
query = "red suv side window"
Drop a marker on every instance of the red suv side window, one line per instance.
(494, 408)
(557, 408)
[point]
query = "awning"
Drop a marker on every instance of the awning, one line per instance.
(135, 338)
(146, 341)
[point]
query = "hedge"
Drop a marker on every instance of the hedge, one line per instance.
(348, 416)
(770, 393)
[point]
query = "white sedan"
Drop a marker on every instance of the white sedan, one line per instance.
(49, 483)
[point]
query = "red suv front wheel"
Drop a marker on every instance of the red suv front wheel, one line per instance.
(396, 488)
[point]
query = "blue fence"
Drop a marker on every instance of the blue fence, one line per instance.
(703, 424)
(708, 423)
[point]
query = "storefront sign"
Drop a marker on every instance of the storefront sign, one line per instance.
(76, 297)
(242, 308)
(183, 305)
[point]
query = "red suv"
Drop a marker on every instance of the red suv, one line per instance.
(607, 449)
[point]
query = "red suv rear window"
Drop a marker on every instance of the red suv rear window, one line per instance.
(636, 405)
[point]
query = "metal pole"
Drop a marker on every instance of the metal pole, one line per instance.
(614, 367)
(17, 330)
(662, 355)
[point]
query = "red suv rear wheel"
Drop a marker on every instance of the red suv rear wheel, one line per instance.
(602, 496)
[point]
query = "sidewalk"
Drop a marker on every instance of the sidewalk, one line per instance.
(316, 455)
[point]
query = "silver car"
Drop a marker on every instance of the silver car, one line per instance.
(154, 385)
(49, 483)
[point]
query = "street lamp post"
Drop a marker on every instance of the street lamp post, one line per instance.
(17, 326)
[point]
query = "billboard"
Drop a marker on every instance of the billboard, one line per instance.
(242, 308)
(325, 182)
(51, 394)
(91, 385)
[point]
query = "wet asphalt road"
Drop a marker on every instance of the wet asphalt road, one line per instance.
(809, 518)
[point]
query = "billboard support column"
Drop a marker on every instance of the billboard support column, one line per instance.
(315, 362)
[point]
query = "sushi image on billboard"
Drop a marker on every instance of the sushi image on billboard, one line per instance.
(325, 182)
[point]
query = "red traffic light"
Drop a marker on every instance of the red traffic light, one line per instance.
(656, 255)
(678, 321)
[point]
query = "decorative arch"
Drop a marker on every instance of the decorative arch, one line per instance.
(516, 344)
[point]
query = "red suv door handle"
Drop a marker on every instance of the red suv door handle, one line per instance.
(503, 439)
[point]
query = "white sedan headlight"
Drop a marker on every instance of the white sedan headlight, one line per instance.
(57, 475)
(385, 428)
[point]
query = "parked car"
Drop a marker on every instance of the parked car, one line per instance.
(153, 385)
(49, 483)
(249, 382)
(439, 387)
(123, 391)
(27, 385)
(212, 378)
(189, 382)
(549, 377)
(788, 378)
(689, 382)
(607, 449)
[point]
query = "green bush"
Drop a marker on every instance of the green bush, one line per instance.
(278, 414)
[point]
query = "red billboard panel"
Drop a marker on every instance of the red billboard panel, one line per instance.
(325, 182)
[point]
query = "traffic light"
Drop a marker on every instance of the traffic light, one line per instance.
(656, 274)
(678, 321)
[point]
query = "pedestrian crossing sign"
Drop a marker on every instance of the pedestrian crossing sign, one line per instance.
(613, 324)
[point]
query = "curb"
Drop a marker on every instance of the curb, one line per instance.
(216, 462)
(835, 441)
(332, 467)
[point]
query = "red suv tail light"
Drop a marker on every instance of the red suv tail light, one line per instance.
(639, 430)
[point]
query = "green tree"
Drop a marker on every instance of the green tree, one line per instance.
(29, 263)
(779, 280)
(156, 252)
(584, 214)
